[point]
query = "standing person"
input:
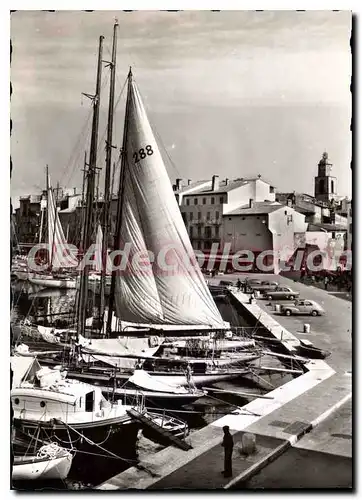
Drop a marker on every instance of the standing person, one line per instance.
(326, 281)
(188, 374)
(238, 284)
(228, 445)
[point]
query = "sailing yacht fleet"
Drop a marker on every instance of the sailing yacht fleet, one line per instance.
(161, 337)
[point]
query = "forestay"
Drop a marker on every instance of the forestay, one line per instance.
(171, 289)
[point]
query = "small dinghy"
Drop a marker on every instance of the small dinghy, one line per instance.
(307, 349)
(50, 462)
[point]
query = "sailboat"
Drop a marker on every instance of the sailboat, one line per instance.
(161, 289)
(60, 259)
(151, 295)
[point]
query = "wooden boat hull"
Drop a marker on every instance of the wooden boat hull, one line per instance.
(53, 283)
(113, 433)
(42, 468)
(152, 398)
(171, 378)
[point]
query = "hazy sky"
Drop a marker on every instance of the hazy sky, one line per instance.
(230, 93)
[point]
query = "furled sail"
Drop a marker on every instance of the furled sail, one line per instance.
(97, 266)
(162, 282)
(59, 252)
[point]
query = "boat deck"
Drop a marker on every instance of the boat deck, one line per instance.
(311, 413)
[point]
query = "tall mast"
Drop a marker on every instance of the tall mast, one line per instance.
(82, 205)
(107, 177)
(117, 234)
(42, 210)
(83, 291)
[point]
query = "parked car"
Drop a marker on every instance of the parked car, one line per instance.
(264, 285)
(281, 292)
(303, 306)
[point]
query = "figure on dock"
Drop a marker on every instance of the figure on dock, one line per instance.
(238, 284)
(188, 373)
(326, 281)
(228, 445)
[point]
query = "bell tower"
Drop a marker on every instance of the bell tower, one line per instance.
(325, 184)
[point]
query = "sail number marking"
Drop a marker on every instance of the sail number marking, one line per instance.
(142, 153)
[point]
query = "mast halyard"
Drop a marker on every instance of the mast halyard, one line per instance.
(83, 290)
(107, 178)
(120, 203)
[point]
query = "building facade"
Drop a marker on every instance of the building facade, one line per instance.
(203, 209)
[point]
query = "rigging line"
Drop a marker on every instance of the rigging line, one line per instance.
(76, 152)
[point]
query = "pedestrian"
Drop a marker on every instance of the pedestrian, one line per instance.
(188, 374)
(302, 273)
(228, 445)
(326, 281)
(238, 284)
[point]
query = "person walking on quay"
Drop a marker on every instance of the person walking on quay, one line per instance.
(238, 284)
(228, 445)
(326, 281)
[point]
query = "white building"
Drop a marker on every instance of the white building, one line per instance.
(205, 205)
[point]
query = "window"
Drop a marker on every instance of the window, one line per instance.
(191, 231)
(217, 214)
(16, 401)
(207, 245)
(216, 231)
(321, 185)
(207, 232)
(191, 216)
(199, 231)
(212, 201)
(199, 245)
(199, 215)
(187, 201)
(204, 201)
(350, 228)
(208, 216)
(195, 201)
(332, 186)
(89, 401)
(42, 404)
(271, 189)
(221, 199)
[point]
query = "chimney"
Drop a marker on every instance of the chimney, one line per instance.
(226, 181)
(215, 182)
(251, 203)
(178, 184)
(75, 190)
(189, 182)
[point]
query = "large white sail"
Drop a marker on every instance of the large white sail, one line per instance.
(172, 290)
(59, 254)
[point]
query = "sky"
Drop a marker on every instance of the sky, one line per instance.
(234, 93)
